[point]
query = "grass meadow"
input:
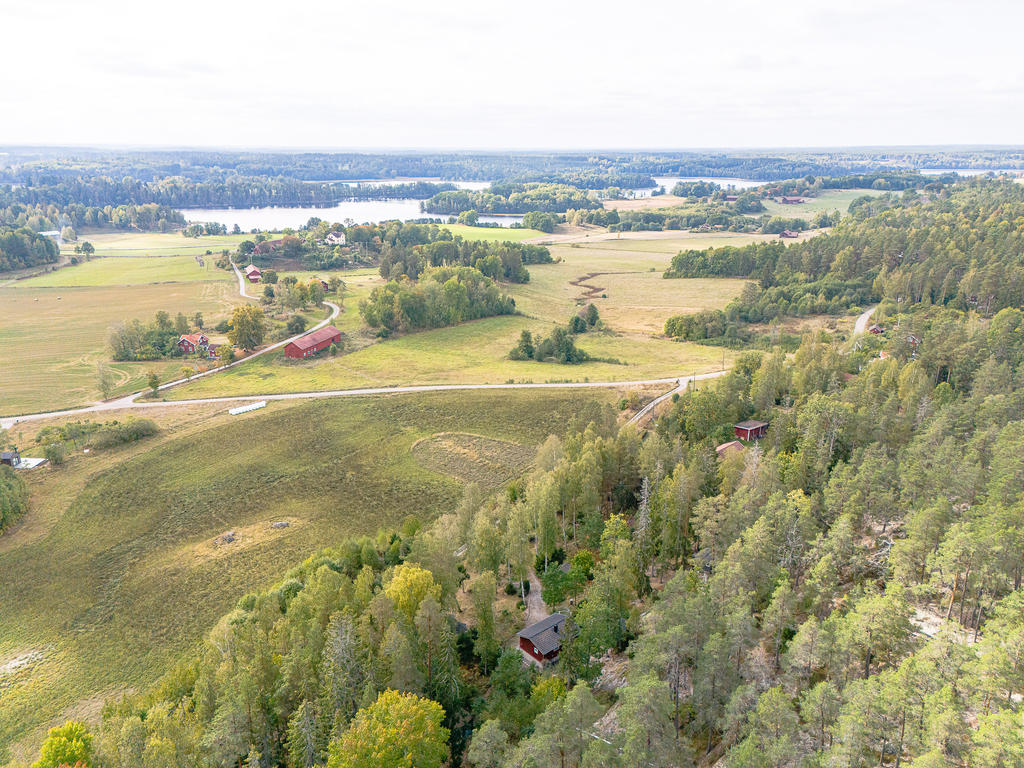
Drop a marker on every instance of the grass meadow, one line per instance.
(130, 270)
(51, 339)
(153, 243)
(114, 573)
(499, 234)
(828, 200)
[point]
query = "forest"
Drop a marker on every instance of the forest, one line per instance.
(830, 595)
(441, 296)
(512, 197)
(20, 248)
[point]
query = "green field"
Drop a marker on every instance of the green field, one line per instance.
(130, 270)
(126, 538)
(109, 243)
(500, 234)
(51, 339)
(829, 200)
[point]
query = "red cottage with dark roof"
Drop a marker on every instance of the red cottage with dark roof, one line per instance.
(543, 641)
(752, 429)
(312, 343)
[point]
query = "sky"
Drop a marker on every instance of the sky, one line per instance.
(557, 74)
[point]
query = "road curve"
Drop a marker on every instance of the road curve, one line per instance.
(129, 402)
(862, 321)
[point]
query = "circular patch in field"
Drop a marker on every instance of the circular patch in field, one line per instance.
(486, 461)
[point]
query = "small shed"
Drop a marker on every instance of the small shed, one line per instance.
(789, 233)
(733, 446)
(542, 641)
(752, 429)
(314, 342)
(787, 200)
(10, 458)
(731, 198)
(876, 329)
(252, 272)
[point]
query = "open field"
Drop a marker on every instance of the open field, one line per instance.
(644, 203)
(51, 339)
(499, 234)
(828, 200)
(109, 243)
(127, 537)
(130, 270)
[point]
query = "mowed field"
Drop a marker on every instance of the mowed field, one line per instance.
(127, 538)
(499, 234)
(130, 270)
(51, 339)
(615, 275)
(829, 200)
(153, 243)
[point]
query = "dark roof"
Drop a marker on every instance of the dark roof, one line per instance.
(752, 424)
(546, 634)
(8, 454)
(314, 338)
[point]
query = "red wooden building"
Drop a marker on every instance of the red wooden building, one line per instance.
(253, 273)
(190, 343)
(752, 429)
(543, 641)
(312, 343)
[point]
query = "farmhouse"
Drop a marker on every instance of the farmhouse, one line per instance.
(733, 446)
(253, 273)
(335, 238)
(312, 343)
(752, 429)
(189, 343)
(543, 641)
(10, 458)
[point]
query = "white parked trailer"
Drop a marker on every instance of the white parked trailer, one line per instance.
(247, 408)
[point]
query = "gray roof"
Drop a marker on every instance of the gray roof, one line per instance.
(751, 424)
(546, 634)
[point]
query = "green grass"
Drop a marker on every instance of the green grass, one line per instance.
(500, 234)
(829, 200)
(123, 577)
(130, 270)
(153, 243)
(51, 339)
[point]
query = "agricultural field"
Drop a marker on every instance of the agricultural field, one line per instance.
(828, 200)
(130, 270)
(623, 278)
(133, 539)
(500, 234)
(51, 339)
(109, 243)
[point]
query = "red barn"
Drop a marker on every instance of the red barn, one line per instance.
(191, 342)
(751, 429)
(310, 344)
(253, 273)
(543, 641)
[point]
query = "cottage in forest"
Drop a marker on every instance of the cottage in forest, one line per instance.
(752, 429)
(542, 641)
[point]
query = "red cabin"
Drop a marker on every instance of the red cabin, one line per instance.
(253, 273)
(190, 343)
(751, 429)
(309, 345)
(543, 641)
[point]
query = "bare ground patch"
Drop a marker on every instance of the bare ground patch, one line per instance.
(473, 458)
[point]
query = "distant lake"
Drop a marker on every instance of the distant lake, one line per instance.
(670, 181)
(359, 211)
(968, 171)
(471, 185)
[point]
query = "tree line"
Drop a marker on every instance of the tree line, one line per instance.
(21, 248)
(512, 197)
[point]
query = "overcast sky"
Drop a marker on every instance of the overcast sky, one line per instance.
(519, 74)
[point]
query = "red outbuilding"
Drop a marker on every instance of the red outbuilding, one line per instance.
(312, 343)
(751, 429)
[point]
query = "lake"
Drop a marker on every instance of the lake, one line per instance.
(358, 211)
(670, 181)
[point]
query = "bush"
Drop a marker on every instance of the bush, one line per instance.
(296, 324)
(119, 433)
(55, 453)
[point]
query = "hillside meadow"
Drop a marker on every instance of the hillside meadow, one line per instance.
(130, 270)
(131, 538)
